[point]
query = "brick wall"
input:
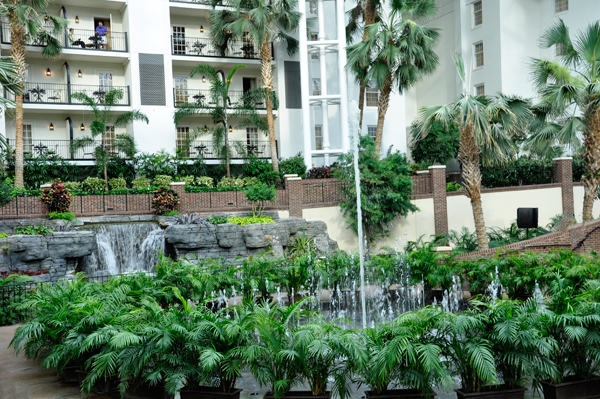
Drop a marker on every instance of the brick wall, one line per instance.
(422, 183)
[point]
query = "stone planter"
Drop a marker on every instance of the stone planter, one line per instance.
(399, 394)
(101, 387)
(572, 390)
(70, 375)
(496, 393)
(209, 393)
(298, 395)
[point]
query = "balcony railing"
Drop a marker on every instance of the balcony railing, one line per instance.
(203, 47)
(239, 149)
(203, 98)
(62, 148)
(203, 2)
(83, 39)
(59, 93)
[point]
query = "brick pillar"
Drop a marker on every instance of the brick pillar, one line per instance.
(563, 174)
(440, 206)
(179, 188)
(293, 186)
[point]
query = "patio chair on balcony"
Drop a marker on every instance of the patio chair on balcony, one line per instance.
(55, 96)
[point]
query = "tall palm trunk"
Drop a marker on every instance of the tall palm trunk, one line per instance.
(591, 156)
(226, 137)
(266, 70)
(369, 18)
(384, 102)
(17, 51)
(105, 160)
(468, 155)
(361, 102)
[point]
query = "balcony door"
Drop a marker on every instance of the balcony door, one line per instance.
(181, 90)
(183, 137)
(27, 138)
(179, 40)
(106, 22)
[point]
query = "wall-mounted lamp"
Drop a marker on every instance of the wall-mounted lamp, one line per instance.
(80, 74)
(201, 29)
(230, 129)
(82, 127)
(51, 127)
(48, 72)
(205, 128)
(228, 31)
(76, 19)
(203, 79)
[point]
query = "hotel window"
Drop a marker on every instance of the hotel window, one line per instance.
(372, 95)
(27, 138)
(313, 38)
(477, 13)
(106, 81)
(183, 135)
(478, 55)
(251, 136)
(561, 5)
(318, 137)
(110, 138)
(181, 93)
(372, 131)
(480, 90)
(178, 40)
(316, 87)
(560, 49)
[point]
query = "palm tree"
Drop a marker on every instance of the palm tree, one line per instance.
(104, 117)
(569, 110)
(398, 52)
(9, 81)
(262, 22)
(486, 126)
(29, 21)
(221, 111)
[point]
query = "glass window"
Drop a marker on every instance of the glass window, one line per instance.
(27, 138)
(561, 5)
(316, 87)
(372, 95)
(372, 131)
(178, 40)
(313, 38)
(106, 81)
(318, 137)
(110, 138)
(480, 90)
(479, 55)
(560, 49)
(181, 92)
(252, 136)
(477, 13)
(183, 135)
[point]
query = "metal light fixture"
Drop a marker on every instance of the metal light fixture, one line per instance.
(80, 74)
(82, 127)
(76, 19)
(230, 129)
(205, 128)
(51, 127)
(203, 79)
(201, 29)
(48, 72)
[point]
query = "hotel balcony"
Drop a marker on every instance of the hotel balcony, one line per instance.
(203, 47)
(203, 98)
(239, 149)
(62, 148)
(60, 94)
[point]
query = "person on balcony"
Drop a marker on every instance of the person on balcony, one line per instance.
(101, 32)
(75, 43)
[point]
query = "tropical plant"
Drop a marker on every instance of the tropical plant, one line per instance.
(29, 22)
(162, 180)
(438, 147)
(293, 166)
(164, 200)
(262, 170)
(105, 119)
(117, 183)
(5, 191)
(31, 230)
(140, 183)
(57, 198)
(219, 108)
(386, 189)
(93, 185)
(262, 22)
(569, 111)
(258, 195)
(486, 126)
(242, 221)
(398, 52)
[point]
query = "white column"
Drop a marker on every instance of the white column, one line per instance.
(323, 67)
(341, 36)
(305, 86)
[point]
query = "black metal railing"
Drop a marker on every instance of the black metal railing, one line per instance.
(203, 47)
(60, 93)
(64, 149)
(83, 39)
(203, 2)
(203, 98)
(239, 149)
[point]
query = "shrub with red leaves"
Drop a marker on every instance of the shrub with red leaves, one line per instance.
(57, 198)
(164, 200)
(320, 173)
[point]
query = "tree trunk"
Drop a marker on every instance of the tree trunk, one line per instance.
(227, 166)
(18, 53)
(369, 18)
(591, 157)
(266, 70)
(468, 155)
(361, 103)
(384, 102)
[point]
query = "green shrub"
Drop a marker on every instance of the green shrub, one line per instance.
(251, 181)
(3, 235)
(93, 184)
(205, 181)
(5, 192)
(171, 213)
(293, 166)
(162, 180)
(452, 186)
(140, 183)
(217, 219)
(439, 146)
(72, 186)
(117, 183)
(32, 230)
(62, 216)
(242, 221)
(522, 172)
(230, 182)
(56, 198)
(261, 169)
(188, 180)
(258, 195)
(164, 200)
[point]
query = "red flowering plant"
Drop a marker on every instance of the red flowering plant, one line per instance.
(164, 200)
(57, 198)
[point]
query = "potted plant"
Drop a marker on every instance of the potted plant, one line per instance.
(325, 352)
(405, 354)
(573, 323)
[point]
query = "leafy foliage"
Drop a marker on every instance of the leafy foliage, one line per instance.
(242, 221)
(262, 170)
(94, 185)
(5, 191)
(258, 195)
(141, 182)
(56, 198)
(438, 147)
(162, 180)
(164, 200)
(320, 173)
(62, 216)
(293, 166)
(29, 230)
(117, 183)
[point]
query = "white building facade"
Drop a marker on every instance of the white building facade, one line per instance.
(152, 45)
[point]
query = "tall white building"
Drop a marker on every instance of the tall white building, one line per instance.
(151, 48)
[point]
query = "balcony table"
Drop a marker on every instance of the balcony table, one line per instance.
(202, 150)
(40, 149)
(38, 92)
(199, 97)
(100, 95)
(197, 48)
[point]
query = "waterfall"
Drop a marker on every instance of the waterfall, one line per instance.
(124, 248)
